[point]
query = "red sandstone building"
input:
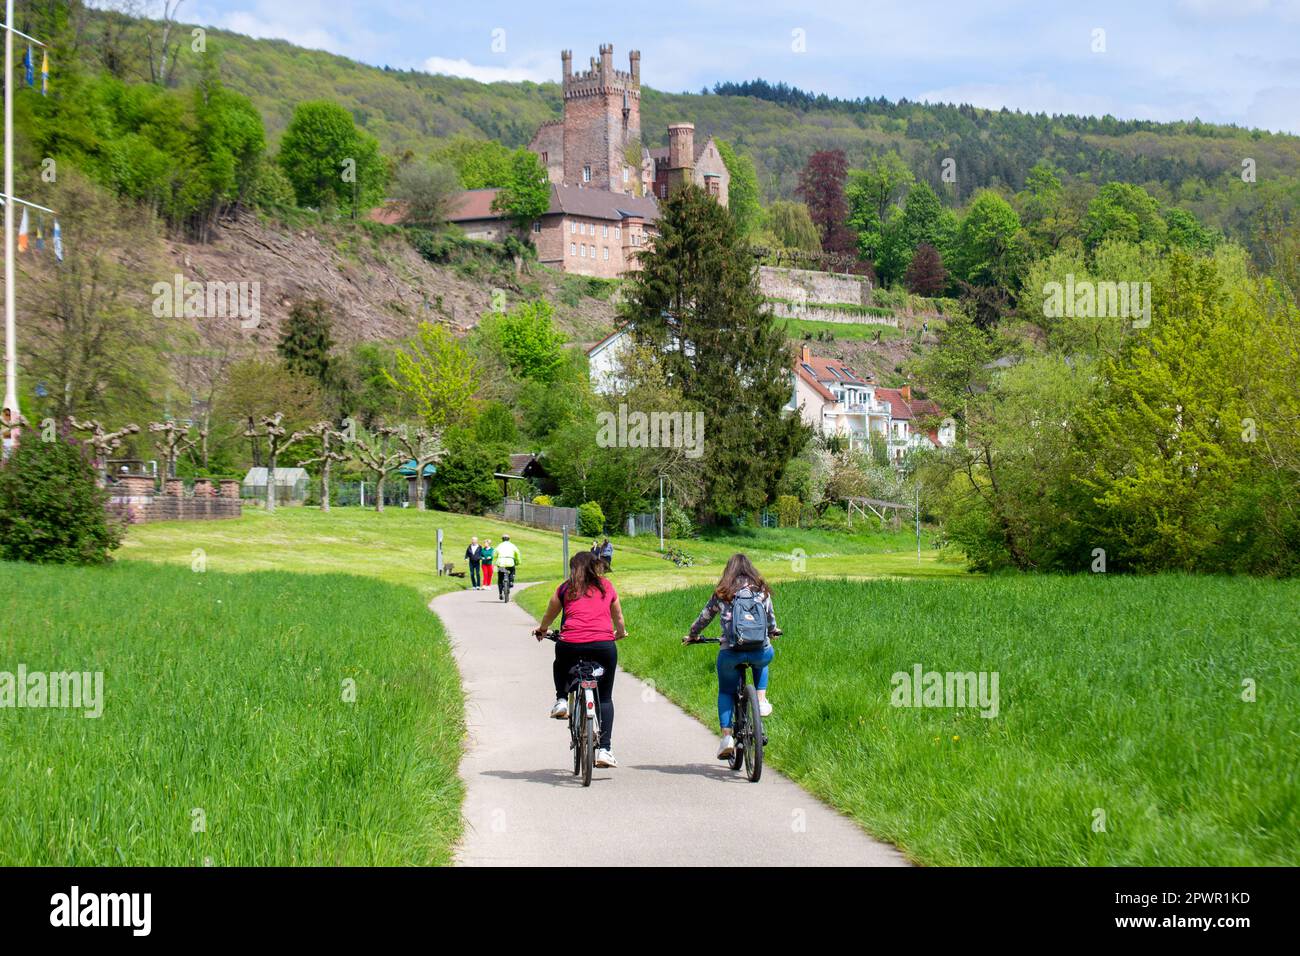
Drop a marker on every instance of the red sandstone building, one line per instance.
(604, 179)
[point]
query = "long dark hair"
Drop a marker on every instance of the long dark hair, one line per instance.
(739, 568)
(584, 574)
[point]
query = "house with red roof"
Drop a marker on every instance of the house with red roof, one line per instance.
(834, 399)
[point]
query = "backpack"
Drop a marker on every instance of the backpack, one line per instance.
(749, 622)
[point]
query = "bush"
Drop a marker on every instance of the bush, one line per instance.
(677, 521)
(543, 500)
(833, 518)
(591, 519)
(463, 481)
(787, 511)
(52, 511)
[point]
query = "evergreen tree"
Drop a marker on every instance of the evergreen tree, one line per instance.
(307, 340)
(696, 299)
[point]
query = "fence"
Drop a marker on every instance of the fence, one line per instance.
(642, 524)
(539, 516)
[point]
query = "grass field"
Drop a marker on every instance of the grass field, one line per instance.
(1118, 695)
(849, 331)
(224, 706)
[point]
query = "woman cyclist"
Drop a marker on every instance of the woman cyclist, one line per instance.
(592, 622)
(738, 576)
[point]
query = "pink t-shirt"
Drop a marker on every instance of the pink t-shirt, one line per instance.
(587, 619)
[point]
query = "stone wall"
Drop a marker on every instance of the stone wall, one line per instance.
(134, 500)
(784, 310)
(814, 288)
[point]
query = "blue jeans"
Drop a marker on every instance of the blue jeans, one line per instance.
(729, 678)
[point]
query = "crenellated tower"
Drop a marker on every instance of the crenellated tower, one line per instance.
(602, 119)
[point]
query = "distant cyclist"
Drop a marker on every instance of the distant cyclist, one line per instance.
(748, 621)
(592, 622)
(506, 559)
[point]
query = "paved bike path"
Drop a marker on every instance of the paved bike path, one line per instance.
(669, 803)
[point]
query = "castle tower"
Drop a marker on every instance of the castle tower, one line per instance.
(602, 117)
(681, 154)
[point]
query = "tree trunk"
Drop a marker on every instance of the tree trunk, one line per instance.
(419, 485)
(379, 492)
(325, 487)
(270, 485)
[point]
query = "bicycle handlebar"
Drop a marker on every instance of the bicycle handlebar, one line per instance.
(718, 640)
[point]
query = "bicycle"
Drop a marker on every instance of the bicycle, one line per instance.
(584, 721)
(505, 583)
(748, 721)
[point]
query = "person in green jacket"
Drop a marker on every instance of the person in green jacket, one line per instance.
(488, 554)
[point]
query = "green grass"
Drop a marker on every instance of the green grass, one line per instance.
(224, 693)
(1116, 694)
(848, 331)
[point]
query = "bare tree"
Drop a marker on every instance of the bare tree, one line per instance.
(103, 442)
(328, 455)
(377, 455)
(277, 439)
(173, 443)
(424, 447)
(165, 54)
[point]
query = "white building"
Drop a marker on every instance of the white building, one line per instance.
(833, 399)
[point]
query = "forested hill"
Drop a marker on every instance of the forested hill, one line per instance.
(1193, 164)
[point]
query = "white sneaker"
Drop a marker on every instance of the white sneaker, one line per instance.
(764, 708)
(561, 709)
(605, 759)
(726, 748)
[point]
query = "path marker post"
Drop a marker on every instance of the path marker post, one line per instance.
(564, 533)
(440, 551)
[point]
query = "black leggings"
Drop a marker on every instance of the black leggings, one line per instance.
(604, 653)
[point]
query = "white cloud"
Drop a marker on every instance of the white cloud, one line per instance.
(511, 73)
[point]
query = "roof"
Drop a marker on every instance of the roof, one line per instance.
(474, 204)
(408, 469)
(608, 340)
(902, 409)
(808, 376)
(817, 371)
(283, 476)
(601, 204)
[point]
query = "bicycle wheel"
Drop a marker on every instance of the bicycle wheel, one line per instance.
(738, 734)
(588, 747)
(575, 741)
(753, 735)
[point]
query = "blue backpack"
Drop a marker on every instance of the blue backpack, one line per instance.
(749, 624)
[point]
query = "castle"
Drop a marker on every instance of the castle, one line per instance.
(604, 180)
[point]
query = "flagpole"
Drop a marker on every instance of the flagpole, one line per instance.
(11, 342)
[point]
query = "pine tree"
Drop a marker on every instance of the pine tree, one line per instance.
(307, 340)
(696, 299)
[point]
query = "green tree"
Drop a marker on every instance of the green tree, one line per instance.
(307, 341)
(1126, 212)
(426, 192)
(922, 220)
(437, 376)
(990, 248)
(330, 162)
(525, 340)
(526, 193)
(792, 226)
(480, 163)
(742, 191)
(696, 299)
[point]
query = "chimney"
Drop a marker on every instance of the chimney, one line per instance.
(804, 354)
(566, 58)
(907, 393)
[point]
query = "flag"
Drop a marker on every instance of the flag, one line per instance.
(27, 64)
(45, 73)
(22, 232)
(58, 241)
(40, 233)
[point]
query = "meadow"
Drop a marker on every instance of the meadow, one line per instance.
(1122, 736)
(227, 737)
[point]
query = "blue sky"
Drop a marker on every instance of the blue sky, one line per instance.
(1233, 61)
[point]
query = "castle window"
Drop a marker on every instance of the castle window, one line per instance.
(573, 228)
(604, 231)
(537, 226)
(583, 252)
(627, 173)
(586, 174)
(607, 253)
(543, 159)
(573, 249)
(618, 232)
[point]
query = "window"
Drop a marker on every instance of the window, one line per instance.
(583, 252)
(627, 173)
(663, 191)
(586, 174)
(606, 253)
(573, 249)
(604, 231)
(573, 228)
(618, 232)
(537, 226)
(543, 158)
